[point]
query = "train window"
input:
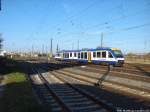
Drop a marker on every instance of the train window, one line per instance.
(104, 54)
(85, 55)
(98, 54)
(75, 54)
(110, 55)
(94, 54)
(70, 54)
(81, 54)
(78, 55)
(66, 55)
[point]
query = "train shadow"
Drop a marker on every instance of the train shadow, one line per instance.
(103, 77)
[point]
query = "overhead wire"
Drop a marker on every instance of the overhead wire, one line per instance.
(75, 15)
(122, 30)
(136, 26)
(103, 24)
(97, 25)
(117, 19)
(72, 33)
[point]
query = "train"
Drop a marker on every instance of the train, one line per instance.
(102, 55)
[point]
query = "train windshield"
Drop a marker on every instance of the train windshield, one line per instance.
(57, 54)
(118, 53)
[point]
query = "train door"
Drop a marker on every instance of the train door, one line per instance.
(89, 56)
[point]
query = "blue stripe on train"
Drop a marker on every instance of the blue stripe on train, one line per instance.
(109, 62)
(79, 60)
(84, 61)
(93, 61)
(69, 59)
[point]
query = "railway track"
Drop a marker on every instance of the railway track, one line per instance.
(66, 72)
(68, 97)
(113, 81)
(80, 79)
(134, 69)
(132, 74)
(116, 73)
(113, 84)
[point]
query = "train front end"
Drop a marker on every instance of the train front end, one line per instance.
(118, 57)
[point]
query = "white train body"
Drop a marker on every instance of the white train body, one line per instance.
(111, 56)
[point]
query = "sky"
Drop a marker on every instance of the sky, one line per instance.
(28, 25)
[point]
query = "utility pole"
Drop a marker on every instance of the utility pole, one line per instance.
(145, 45)
(102, 39)
(42, 49)
(32, 50)
(57, 48)
(46, 49)
(72, 46)
(51, 47)
(78, 45)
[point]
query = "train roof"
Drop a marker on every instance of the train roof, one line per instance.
(100, 48)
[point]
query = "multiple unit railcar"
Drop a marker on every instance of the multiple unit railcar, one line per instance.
(111, 56)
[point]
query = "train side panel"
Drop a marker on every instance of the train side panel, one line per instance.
(96, 56)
